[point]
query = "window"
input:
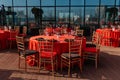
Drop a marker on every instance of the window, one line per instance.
(19, 2)
(91, 14)
(20, 17)
(107, 2)
(30, 15)
(77, 2)
(62, 14)
(92, 2)
(33, 2)
(6, 2)
(77, 15)
(62, 2)
(48, 13)
(47, 2)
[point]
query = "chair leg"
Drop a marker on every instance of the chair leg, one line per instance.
(56, 62)
(69, 69)
(39, 62)
(25, 65)
(96, 60)
(61, 64)
(10, 44)
(19, 63)
(81, 62)
(52, 67)
(39, 65)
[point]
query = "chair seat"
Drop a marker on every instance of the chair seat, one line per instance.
(30, 52)
(46, 54)
(90, 45)
(90, 49)
(73, 55)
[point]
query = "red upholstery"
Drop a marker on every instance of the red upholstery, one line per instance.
(48, 54)
(4, 35)
(90, 49)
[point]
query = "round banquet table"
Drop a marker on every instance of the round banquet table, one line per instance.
(114, 36)
(59, 47)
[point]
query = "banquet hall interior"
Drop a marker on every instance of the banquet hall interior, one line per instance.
(59, 39)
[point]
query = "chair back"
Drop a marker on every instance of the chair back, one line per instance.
(75, 46)
(79, 32)
(96, 39)
(20, 44)
(46, 45)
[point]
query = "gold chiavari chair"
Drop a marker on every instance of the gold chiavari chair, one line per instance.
(47, 54)
(92, 51)
(24, 53)
(74, 55)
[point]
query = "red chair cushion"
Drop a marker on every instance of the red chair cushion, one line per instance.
(45, 54)
(90, 49)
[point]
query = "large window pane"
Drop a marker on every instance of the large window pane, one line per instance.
(91, 14)
(20, 18)
(107, 2)
(62, 2)
(6, 2)
(47, 2)
(62, 14)
(30, 15)
(92, 2)
(33, 2)
(77, 15)
(19, 2)
(48, 13)
(77, 2)
(118, 2)
(9, 15)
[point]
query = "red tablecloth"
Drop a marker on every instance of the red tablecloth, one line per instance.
(59, 47)
(4, 42)
(3, 39)
(114, 35)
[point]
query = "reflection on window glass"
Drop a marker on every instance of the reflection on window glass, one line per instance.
(91, 14)
(6, 2)
(107, 2)
(62, 2)
(33, 2)
(62, 14)
(9, 15)
(48, 13)
(118, 2)
(30, 15)
(77, 2)
(20, 17)
(77, 15)
(47, 2)
(92, 2)
(19, 2)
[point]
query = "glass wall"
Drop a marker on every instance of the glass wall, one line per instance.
(81, 12)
